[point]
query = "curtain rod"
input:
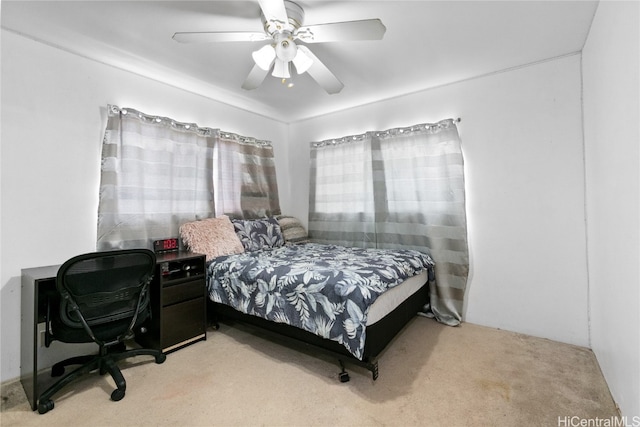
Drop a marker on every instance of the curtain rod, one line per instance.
(186, 127)
(359, 137)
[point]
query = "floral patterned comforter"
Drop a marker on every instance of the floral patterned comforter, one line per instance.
(324, 289)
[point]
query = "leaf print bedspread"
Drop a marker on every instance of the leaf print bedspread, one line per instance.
(323, 289)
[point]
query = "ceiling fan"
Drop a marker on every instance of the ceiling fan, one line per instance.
(283, 23)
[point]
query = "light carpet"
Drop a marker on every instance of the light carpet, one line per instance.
(430, 375)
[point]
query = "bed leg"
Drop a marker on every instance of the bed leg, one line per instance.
(212, 322)
(344, 375)
(373, 367)
(212, 318)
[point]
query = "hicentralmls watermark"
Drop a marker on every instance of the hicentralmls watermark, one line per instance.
(575, 421)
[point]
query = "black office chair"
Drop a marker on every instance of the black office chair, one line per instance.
(101, 297)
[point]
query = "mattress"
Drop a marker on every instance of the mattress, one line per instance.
(393, 297)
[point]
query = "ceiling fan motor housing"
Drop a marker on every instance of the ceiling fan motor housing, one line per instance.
(296, 18)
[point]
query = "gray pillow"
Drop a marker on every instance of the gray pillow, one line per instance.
(257, 234)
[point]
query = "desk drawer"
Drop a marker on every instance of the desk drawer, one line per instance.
(183, 321)
(182, 292)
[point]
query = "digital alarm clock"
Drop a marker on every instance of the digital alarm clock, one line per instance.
(166, 245)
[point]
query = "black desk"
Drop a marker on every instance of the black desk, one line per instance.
(36, 282)
(177, 302)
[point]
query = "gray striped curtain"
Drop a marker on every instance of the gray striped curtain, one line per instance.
(416, 184)
(341, 209)
(158, 173)
(244, 174)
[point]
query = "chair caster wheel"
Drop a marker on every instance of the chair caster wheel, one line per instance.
(344, 377)
(117, 394)
(44, 407)
(160, 359)
(57, 371)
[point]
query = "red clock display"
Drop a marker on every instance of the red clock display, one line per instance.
(166, 245)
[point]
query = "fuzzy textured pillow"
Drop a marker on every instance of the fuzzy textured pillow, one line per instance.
(292, 229)
(213, 237)
(256, 234)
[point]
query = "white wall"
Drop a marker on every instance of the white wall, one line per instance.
(521, 132)
(53, 116)
(612, 136)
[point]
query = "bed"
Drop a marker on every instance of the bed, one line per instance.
(348, 302)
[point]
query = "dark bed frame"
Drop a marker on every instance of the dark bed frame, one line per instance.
(378, 335)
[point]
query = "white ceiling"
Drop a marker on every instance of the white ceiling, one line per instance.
(427, 44)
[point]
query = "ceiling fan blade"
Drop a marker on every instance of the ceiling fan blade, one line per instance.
(274, 10)
(211, 37)
(321, 74)
(255, 78)
(368, 29)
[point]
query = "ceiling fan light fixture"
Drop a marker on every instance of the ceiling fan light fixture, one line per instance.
(302, 61)
(281, 69)
(264, 57)
(285, 48)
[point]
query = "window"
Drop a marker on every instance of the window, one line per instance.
(158, 173)
(400, 188)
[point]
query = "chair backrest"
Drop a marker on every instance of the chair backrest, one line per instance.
(104, 286)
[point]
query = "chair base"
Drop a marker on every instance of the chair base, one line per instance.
(104, 361)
